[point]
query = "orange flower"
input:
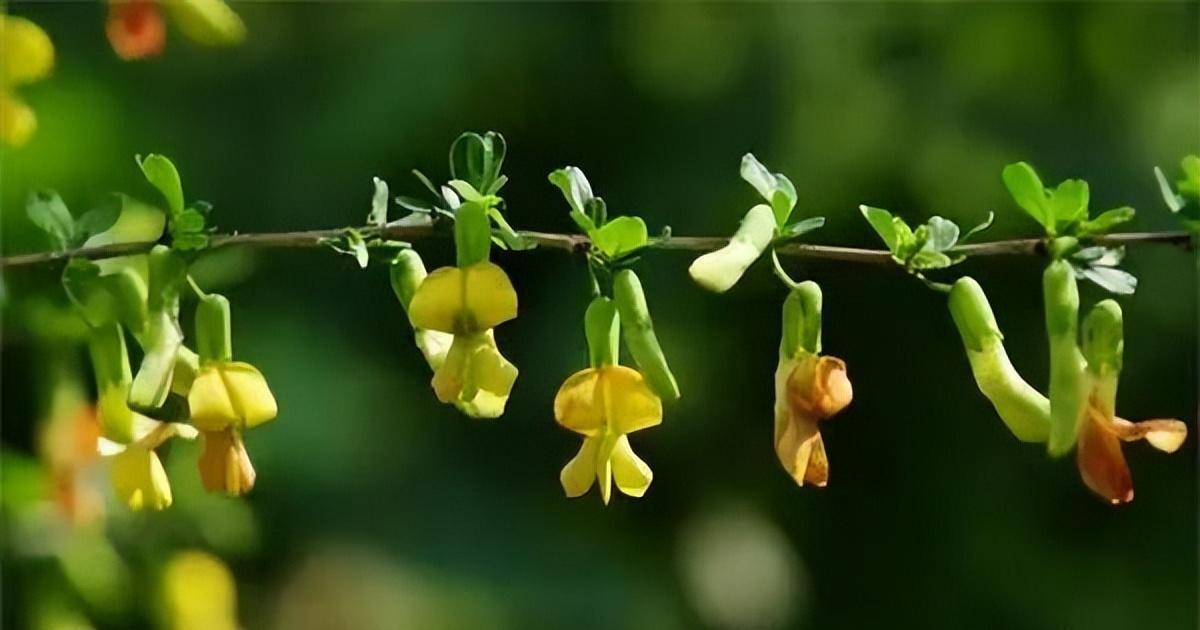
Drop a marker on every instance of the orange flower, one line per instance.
(224, 464)
(808, 389)
(1101, 462)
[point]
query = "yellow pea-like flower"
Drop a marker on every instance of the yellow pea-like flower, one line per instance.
(605, 404)
(198, 593)
(26, 55)
(139, 479)
(229, 394)
(467, 303)
(224, 464)
(808, 389)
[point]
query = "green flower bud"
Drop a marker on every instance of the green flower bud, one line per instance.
(1024, 410)
(640, 337)
(162, 337)
(1068, 378)
(406, 273)
(718, 271)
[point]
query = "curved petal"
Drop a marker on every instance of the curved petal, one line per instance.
(490, 371)
(579, 474)
(224, 464)
(252, 399)
(139, 479)
(1100, 461)
(575, 405)
(208, 401)
(448, 378)
(491, 299)
(1164, 435)
(817, 472)
(632, 475)
(438, 301)
(628, 400)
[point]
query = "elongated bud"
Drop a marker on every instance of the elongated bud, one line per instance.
(1068, 378)
(213, 331)
(162, 337)
(472, 234)
(1104, 338)
(639, 335)
(1024, 410)
(802, 320)
(406, 273)
(602, 325)
(718, 271)
(110, 364)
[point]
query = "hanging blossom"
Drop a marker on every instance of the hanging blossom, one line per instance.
(226, 398)
(809, 388)
(1100, 432)
(468, 301)
(26, 56)
(605, 403)
(136, 29)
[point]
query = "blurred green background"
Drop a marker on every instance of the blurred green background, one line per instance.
(376, 507)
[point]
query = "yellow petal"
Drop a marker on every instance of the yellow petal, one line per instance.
(199, 593)
(464, 301)
(252, 399)
(630, 403)
(490, 371)
(579, 473)
(28, 54)
(208, 401)
(139, 479)
(485, 405)
(1164, 435)
(604, 467)
(575, 405)
(448, 379)
(17, 121)
(632, 475)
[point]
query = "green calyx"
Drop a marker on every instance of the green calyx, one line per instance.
(802, 320)
(213, 329)
(472, 234)
(602, 325)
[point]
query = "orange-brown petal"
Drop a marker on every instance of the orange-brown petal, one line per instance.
(135, 29)
(1101, 463)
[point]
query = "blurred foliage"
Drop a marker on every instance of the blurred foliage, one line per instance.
(376, 507)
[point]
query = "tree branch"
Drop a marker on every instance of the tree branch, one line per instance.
(576, 242)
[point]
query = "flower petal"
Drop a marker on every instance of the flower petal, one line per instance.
(490, 371)
(633, 476)
(491, 299)
(817, 472)
(438, 301)
(139, 479)
(28, 54)
(1164, 435)
(208, 401)
(17, 121)
(1100, 461)
(579, 474)
(575, 405)
(630, 403)
(224, 464)
(252, 399)
(135, 29)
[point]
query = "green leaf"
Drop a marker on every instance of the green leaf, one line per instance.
(47, 211)
(413, 204)
(1027, 190)
(428, 184)
(509, 238)
(775, 188)
(1069, 203)
(942, 234)
(1190, 184)
(927, 259)
(465, 190)
(1173, 201)
(620, 236)
(161, 174)
(881, 220)
(987, 223)
(799, 228)
(98, 219)
(1106, 221)
(578, 193)
(477, 159)
(351, 243)
(1110, 279)
(379, 204)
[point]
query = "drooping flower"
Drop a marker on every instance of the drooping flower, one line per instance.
(137, 474)
(605, 404)
(226, 398)
(808, 389)
(468, 302)
(1100, 432)
(27, 56)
